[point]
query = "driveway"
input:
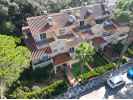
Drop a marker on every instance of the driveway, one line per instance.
(105, 92)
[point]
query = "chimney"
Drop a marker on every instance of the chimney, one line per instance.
(50, 20)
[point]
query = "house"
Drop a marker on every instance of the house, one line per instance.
(107, 33)
(52, 38)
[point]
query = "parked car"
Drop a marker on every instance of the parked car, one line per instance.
(130, 73)
(115, 81)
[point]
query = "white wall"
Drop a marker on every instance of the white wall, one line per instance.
(58, 46)
(37, 37)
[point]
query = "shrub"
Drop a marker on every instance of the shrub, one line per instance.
(97, 71)
(100, 70)
(110, 66)
(50, 91)
(130, 52)
(87, 75)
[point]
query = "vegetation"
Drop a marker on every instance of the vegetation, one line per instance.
(38, 74)
(124, 10)
(129, 53)
(98, 61)
(97, 71)
(124, 13)
(34, 80)
(85, 53)
(52, 90)
(76, 69)
(13, 13)
(14, 59)
(117, 47)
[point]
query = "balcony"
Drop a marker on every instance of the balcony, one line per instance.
(44, 43)
(42, 63)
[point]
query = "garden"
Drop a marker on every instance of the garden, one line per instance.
(91, 63)
(39, 83)
(98, 60)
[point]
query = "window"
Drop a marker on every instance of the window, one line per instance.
(45, 58)
(43, 36)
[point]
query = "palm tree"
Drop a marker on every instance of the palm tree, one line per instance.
(84, 53)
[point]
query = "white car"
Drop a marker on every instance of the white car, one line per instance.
(115, 81)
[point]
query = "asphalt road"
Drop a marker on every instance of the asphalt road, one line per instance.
(105, 92)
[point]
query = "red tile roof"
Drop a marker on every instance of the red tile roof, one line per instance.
(86, 35)
(61, 58)
(37, 54)
(98, 40)
(37, 24)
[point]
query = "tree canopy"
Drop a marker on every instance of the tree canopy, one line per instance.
(16, 11)
(85, 53)
(124, 10)
(13, 59)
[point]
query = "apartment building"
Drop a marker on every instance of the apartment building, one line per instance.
(53, 37)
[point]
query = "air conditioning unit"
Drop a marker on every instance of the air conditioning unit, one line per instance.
(50, 21)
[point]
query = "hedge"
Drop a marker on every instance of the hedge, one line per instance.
(130, 52)
(97, 71)
(50, 91)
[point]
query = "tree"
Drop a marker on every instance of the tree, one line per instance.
(7, 27)
(14, 60)
(84, 53)
(124, 13)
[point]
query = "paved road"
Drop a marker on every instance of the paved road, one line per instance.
(95, 86)
(123, 92)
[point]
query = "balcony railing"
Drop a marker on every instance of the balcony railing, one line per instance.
(42, 64)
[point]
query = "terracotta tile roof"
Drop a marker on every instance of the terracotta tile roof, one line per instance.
(61, 58)
(98, 40)
(37, 24)
(86, 35)
(37, 54)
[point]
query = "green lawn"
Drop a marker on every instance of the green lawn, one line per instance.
(76, 69)
(98, 61)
